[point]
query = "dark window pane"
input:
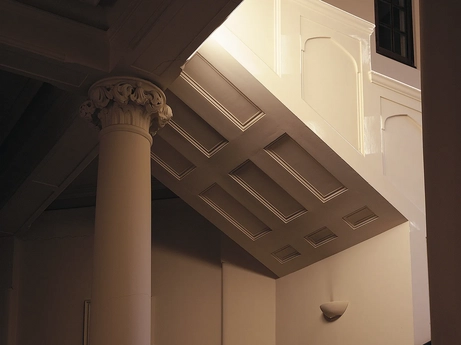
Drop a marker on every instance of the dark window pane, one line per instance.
(385, 37)
(394, 37)
(400, 44)
(399, 19)
(384, 13)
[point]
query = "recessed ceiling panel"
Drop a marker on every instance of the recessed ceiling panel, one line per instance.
(360, 217)
(305, 168)
(320, 237)
(263, 188)
(170, 159)
(236, 106)
(194, 129)
(275, 188)
(223, 203)
(285, 254)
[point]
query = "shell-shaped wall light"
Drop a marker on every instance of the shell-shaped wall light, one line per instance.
(333, 310)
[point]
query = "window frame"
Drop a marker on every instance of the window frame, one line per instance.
(409, 59)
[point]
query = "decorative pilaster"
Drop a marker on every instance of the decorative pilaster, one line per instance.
(128, 110)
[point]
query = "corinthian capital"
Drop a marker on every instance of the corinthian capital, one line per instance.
(126, 100)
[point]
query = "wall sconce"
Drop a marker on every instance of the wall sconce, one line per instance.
(332, 311)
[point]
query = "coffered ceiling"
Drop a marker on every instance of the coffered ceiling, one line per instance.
(250, 166)
(233, 151)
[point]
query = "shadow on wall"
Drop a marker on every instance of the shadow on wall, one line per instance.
(233, 254)
(178, 227)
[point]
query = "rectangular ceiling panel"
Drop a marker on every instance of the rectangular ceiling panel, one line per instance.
(263, 188)
(223, 203)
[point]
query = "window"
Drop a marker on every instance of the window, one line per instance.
(394, 30)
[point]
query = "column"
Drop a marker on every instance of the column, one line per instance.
(128, 111)
(441, 89)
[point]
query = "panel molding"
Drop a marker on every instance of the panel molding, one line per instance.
(245, 185)
(326, 236)
(164, 165)
(231, 117)
(285, 254)
(194, 142)
(231, 219)
(366, 217)
(293, 172)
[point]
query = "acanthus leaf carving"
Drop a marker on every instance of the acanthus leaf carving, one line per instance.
(126, 100)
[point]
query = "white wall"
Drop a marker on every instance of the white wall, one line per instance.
(187, 306)
(374, 276)
(186, 276)
(248, 298)
(382, 138)
(248, 306)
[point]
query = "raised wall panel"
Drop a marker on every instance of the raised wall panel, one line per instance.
(305, 168)
(213, 85)
(194, 129)
(259, 188)
(223, 203)
(269, 193)
(330, 79)
(170, 159)
(402, 151)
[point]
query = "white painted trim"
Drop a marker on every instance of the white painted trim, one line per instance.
(395, 85)
(337, 14)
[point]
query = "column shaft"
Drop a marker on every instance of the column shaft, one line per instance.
(120, 311)
(126, 109)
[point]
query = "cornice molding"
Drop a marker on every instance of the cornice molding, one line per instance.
(128, 101)
(330, 12)
(395, 85)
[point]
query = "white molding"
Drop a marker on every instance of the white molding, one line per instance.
(333, 13)
(395, 85)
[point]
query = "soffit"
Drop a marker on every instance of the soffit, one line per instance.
(82, 191)
(233, 151)
(71, 44)
(67, 46)
(251, 167)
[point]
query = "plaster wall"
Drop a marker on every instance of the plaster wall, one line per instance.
(56, 274)
(186, 276)
(55, 278)
(322, 62)
(374, 276)
(249, 307)
(194, 301)
(365, 9)
(248, 298)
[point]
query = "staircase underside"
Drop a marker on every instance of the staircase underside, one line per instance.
(246, 163)
(233, 151)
